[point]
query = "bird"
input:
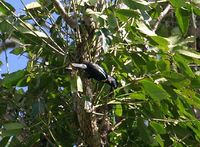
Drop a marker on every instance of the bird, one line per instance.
(97, 72)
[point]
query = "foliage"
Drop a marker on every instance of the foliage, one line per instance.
(151, 52)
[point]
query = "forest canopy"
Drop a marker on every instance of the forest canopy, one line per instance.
(149, 48)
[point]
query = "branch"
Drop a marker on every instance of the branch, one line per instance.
(64, 14)
(162, 15)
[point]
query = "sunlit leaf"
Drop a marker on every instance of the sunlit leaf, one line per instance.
(33, 5)
(189, 54)
(79, 84)
(161, 41)
(144, 29)
(118, 110)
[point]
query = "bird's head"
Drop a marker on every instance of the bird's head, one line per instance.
(112, 81)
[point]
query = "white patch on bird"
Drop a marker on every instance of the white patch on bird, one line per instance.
(83, 66)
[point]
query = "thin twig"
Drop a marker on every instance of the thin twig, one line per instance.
(162, 15)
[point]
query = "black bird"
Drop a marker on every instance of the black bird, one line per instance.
(97, 72)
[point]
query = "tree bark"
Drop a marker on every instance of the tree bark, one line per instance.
(87, 119)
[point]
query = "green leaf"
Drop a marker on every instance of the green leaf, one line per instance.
(137, 4)
(138, 96)
(158, 127)
(178, 80)
(93, 2)
(96, 15)
(137, 59)
(25, 27)
(112, 21)
(4, 10)
(38, 108)
(156, 92)
(189, 54)
(5, 26)
(11, 129)
(159, 140)
(177, 3)
(183, 65)
(196, 10)
(182, 17)
(177, 144)
(163, 65)
(190, 97)
(144, 133)
(144, 29)
(161, 41)
(12, 126)
(127, 13)
(13, 78)
(17, 51)
(14, 132)
(104, 42)
(195, 82)
(118, 110)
